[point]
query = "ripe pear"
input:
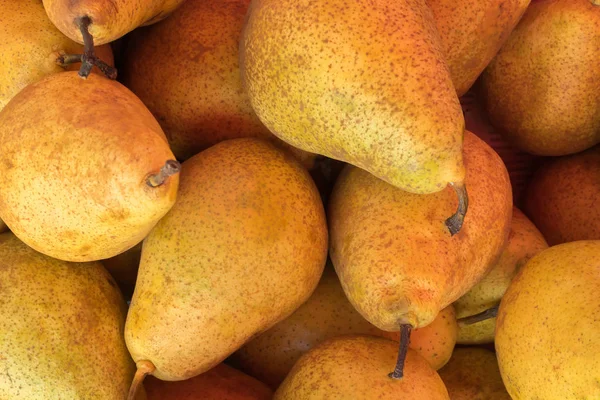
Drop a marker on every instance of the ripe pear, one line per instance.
(364, 82)
(562, 197)
(62, 328)
(473, 374)
(547, 329)
(354, 367)
(85, 168)
(195, 92)
(524, 241)
(31, 47)
(327, 314)
(541, 89)
(243, 247)
(397, 265)
(472, 32)
(219, 383)
(124, 267)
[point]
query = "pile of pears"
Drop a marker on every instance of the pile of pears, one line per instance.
(279, 199)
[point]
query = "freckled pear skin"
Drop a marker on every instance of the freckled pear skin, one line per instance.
(396, 261)
(73, 174)
(363, 82)
(547, 329)
(243, 247)
(61, 328)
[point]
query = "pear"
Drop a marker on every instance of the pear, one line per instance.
(547, 329)
(358, 81)
(85, 168)
(562, 197)
(396, 264)
(473, 374)
(219, 383)
(327, 314)
(524, 241)
(31, 47)
(354, 367)
(541, 89)
(472, 32)
(124, 267)
(62, 328)
(243, 247)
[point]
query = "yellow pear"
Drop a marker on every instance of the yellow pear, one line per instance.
(85, 168)
(327, 314)
(473, 374)
(31, 47)
(355, 367)
(524, 241)
(61, 328)
(547, 329)
(243, 247)
(396, 263)
(364, 82)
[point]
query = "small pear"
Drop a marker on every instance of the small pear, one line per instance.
(562, 197)
(396, 263)
(219, 383)
(355, 367)
(243, 247)
(473, 374)
(435, 342)
(61, 328)
(524, 241)
(86, 171)
(547, 329)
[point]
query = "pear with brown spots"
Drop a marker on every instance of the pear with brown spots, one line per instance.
(243, 247)
(355, 367)
(541, 90)
(363, 82)
(81, 169)
(30, 47)
(524, 242)
(61, 329)
(397, 264)
(548, 323)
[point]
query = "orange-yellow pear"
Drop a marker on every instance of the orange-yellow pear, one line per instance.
(84, 173)
(363, 82)
(243, 247)
(356, 367)
(547, 329)
(435, 342)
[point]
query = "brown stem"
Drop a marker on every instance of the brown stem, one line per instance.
(405, 330)
(144, 368)
(482, 316)
(455, 222)
(171, 167)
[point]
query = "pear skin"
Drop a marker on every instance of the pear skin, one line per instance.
(562, 197)
(243, 247)
(547, 328)
(327, 314)
(219, 383)
(541, 89)
(124, 267)
(62, 328)
(355, 367)
(31, 46)
(473, 374)
(396, 262)
(472, 32)
(524, 242)
(79, 169)
(358, 81)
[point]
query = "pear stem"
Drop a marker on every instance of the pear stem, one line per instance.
(405, 330)
(455, 222)
(88, 59)
(170, 168)
(482, 316)
(144, 367)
